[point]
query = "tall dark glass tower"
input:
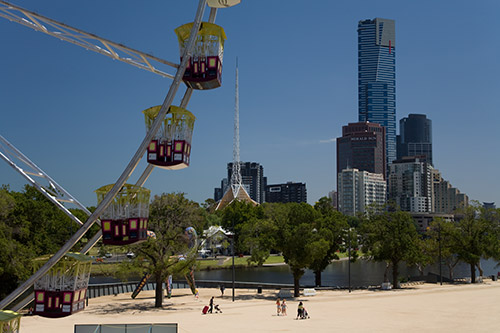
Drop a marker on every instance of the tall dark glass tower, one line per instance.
(415, 137)
(377, 78)
(252, 177)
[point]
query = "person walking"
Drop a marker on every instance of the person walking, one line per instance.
(300, 311)
(211, 304)
(278, 307)
(283, 307)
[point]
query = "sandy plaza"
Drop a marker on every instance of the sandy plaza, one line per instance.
(417, 308)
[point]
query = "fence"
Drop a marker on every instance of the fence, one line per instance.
(125, 328)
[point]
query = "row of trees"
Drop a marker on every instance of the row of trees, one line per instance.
(309, 237)
(30, 226)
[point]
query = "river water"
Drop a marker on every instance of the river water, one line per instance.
(363, 273)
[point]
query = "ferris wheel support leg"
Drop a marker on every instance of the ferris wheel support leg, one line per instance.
(126, 173)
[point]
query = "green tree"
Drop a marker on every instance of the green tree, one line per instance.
(236, 215)
(390, 237)
(330, 227)
(296, 237)
(258, 238)
(440, 233)
(170, 252)
(14, 256)
(475, 236)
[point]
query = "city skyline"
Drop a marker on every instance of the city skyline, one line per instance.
(61, 104)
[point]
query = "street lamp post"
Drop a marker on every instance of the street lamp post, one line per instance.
(440, 260)
(232, 251)
(349, 264)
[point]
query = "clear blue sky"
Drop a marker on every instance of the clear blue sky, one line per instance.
(77, 114)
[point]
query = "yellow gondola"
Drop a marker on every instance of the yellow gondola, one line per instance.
(125, 221)
(204, 69)
(171, 147)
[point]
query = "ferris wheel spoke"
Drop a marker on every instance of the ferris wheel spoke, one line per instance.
(84, 39)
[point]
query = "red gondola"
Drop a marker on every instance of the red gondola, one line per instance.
(171, 147)
(125, 221)
(62, 291)
(204, 69)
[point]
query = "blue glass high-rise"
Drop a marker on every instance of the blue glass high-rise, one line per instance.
(377, 77)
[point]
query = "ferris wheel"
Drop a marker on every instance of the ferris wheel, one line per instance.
(167, 143)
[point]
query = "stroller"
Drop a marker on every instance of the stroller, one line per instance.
(305, 314)
(302, 312)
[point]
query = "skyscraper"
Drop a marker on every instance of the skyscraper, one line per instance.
(415, 137)
(410, 184)
(377, 78)
(362, 147)
(252, 178)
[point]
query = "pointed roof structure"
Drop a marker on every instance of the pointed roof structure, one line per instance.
(239, 194)
(237, 190)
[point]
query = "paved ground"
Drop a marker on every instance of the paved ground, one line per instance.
(420, 308)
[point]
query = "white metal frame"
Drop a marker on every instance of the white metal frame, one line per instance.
(84, 39)
(177, 79)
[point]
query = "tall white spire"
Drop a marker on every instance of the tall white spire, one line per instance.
(236, 191)
(236, 174)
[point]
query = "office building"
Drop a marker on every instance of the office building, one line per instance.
(410, 184)
(423, 220)
(332, 195)
(359, 189)
(447, 199)
(415, 137)
(288, 192)
(362, 147)
(252, 177)
(377, 78)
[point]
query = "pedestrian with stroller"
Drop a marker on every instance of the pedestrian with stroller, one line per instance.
(300, 311)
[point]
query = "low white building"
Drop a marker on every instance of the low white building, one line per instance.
(215, 241)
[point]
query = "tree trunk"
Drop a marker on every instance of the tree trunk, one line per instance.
(472, 273)
(317, 277)
(395, 274)
(480, 269)
(296, 285)
(158, 292)
(386, 271)
(450, 270)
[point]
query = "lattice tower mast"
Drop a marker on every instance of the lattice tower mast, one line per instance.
(236, 175)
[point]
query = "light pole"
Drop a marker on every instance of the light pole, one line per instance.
(440, 261)
(232, 251)
(349, 264)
